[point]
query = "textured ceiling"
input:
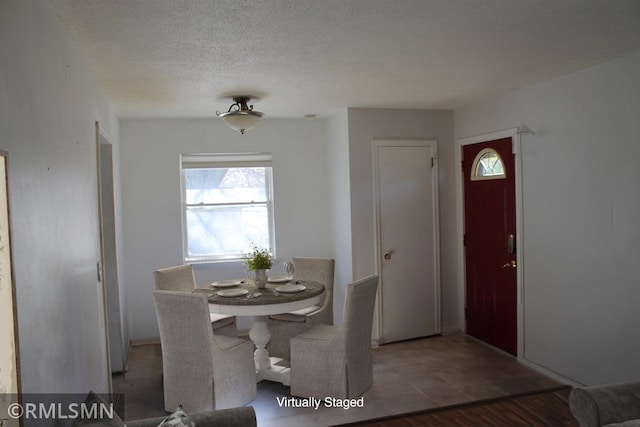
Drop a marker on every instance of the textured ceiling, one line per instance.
(177, 58)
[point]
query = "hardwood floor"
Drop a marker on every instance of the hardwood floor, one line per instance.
(408, 376)
(550, 408)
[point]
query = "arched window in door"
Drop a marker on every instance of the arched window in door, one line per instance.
(487, 165)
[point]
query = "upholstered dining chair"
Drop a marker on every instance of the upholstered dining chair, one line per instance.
(336, 361)
(182, 279)
(284, 326)
(201, 371)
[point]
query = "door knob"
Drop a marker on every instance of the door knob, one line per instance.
(387, 256)
(511, 264)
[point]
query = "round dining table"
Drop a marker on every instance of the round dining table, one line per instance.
(260, 304)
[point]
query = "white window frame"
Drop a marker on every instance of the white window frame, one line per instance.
(236, 160)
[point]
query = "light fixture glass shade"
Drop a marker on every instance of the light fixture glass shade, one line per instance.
(241, 120)
(241, 116)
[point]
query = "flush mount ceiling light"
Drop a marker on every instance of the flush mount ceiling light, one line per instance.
(241, 116)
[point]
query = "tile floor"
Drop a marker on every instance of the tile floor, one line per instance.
(408, 376)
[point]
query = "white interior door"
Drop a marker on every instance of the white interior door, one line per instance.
(407, 239)
(109, 263)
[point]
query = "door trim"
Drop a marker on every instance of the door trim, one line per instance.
(102, 133)
(433, 144)
(14, 392)
(514, 134)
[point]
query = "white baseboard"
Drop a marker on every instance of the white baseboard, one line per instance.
(556, 376)
(146, 341)
(450, 330)
(126, 363)
(541, 369)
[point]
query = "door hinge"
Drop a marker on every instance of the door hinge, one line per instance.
(466, 313)
(99, 271)
(464, 240)
(462, 165)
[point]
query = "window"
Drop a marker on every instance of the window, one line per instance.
(227, 205)
(487, 165)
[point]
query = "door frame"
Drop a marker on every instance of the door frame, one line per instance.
(433, 144)
(14, 393)
(102, 134)
(514, 134)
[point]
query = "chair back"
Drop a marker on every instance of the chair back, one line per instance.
(319, 270)
(186, 338)
(358, 321)
(178, 279)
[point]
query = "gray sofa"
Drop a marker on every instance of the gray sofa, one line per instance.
(243, 416)
(608, 405)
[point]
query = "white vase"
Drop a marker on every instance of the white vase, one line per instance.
(260, 278)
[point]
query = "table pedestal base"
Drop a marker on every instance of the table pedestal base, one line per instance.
(270, 302)
(267, 368)
(279, 371)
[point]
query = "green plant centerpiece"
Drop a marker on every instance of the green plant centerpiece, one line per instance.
(259, 261)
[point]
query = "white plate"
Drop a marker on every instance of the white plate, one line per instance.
(226, 283)
(290, 288)
(278, 279)
(232, 292)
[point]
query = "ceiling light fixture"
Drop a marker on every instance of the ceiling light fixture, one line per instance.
(241, 116)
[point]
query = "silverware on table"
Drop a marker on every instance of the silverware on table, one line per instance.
(253, 295)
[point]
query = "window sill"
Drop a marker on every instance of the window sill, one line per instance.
(209, 264)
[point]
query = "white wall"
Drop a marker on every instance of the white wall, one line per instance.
(151, 198)
(365, 125)
(49, 103)
(340, 197)
(581, 211)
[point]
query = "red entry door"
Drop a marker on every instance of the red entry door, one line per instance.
(490, 226)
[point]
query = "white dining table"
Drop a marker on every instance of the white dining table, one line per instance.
(269, 302)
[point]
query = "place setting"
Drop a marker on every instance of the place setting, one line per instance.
(230, 293)
(228, 288)
(288, 286)
(223, 284)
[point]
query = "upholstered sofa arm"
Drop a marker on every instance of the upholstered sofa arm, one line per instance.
(601, 405)
(235, 417)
